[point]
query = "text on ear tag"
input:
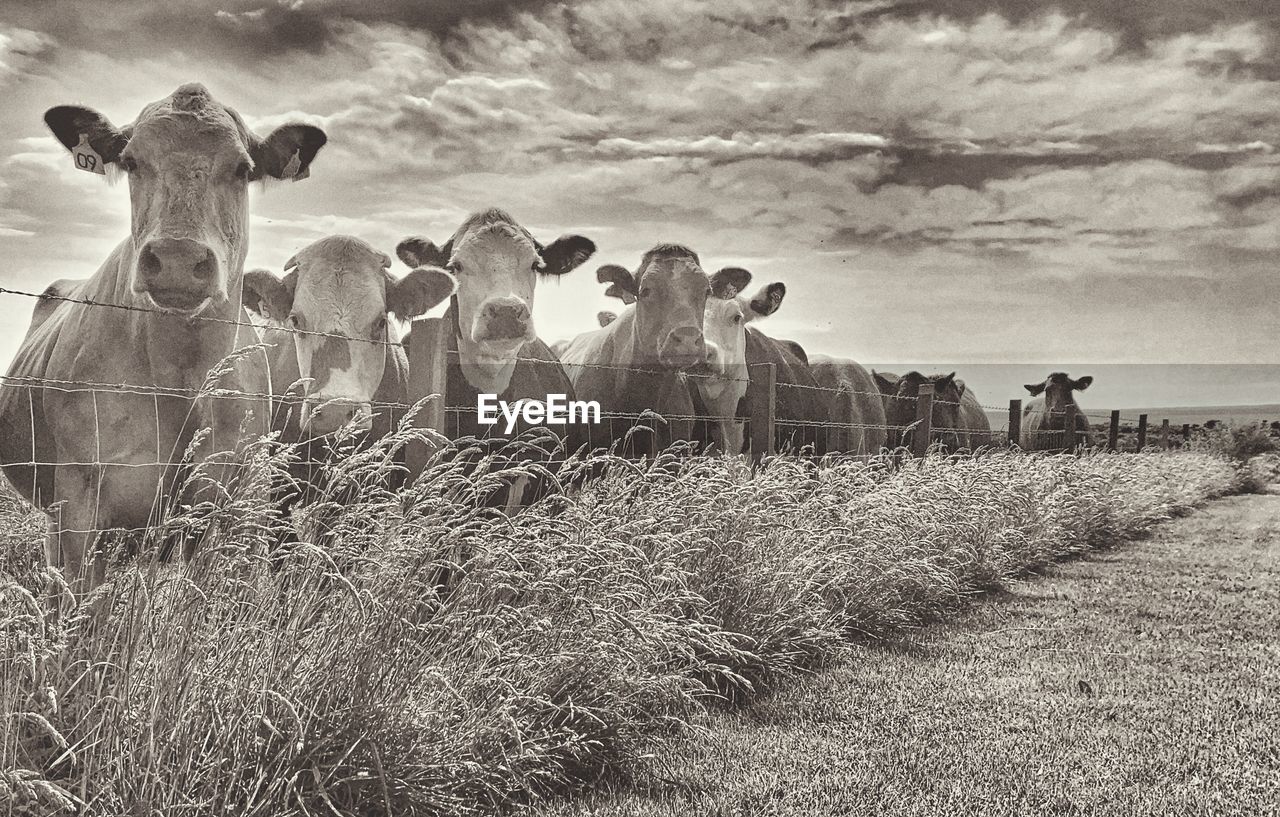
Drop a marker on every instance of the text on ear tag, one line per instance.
(294, 170)
(86, 158)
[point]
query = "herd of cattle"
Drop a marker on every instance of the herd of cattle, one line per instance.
(112, 380)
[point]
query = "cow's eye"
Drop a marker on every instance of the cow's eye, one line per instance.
(455, 267)
(128, 164)
(643, 293)
(539, 265)
(243, 170)
(294, 321)
(737, 319)
(380, 325)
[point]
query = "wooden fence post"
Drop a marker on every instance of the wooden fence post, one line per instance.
(1069, 427)
(1113, 435)
(1186, 433)
(1142, 431)
(924, 420)
(762, 397)
(1015, 422)
(846, 434)
(1164, 434)
(428, 343)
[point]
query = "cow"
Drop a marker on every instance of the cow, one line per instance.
(493, 347)
(1046, 414)
(335, 354)
(149, 327)
(855, 404)
(637, 363)
(957, 419)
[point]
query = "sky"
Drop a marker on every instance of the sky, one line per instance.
(973, 181)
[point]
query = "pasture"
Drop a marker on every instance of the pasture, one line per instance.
(574, 639)
(1134, 681)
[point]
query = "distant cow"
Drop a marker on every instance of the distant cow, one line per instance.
(957, 420)
(1047, 413)
(336, 355)
(107, 452)
(635, 363)
(856, 405)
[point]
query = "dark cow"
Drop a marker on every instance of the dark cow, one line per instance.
(957, 419)
(106, 453)
(637, 362)
(493, 347)
(855, 404)
(1047, 413)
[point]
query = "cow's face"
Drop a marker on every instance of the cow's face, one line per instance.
(670, 293)
(902, 407)
(189, 161)
(726, 316)
(1059, 392)
(337, 297)
(497, 264)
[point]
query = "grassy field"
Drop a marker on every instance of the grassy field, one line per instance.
(335, 676)
(1139, 681)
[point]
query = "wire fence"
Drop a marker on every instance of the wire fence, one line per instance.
(292, 400)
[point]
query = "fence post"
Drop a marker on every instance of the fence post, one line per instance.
(924, 420)
(1015, 422)
(428, 342)
(1186, 433)
(1142, 431)
(1113, 435)
(1069, 427)
(1164, 434)
(846, 433)
(762, 399)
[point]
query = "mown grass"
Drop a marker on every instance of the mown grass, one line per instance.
(1137, 681)
(335, 677)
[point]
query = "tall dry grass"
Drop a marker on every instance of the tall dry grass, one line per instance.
(333, 676)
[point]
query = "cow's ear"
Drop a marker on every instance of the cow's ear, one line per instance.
(89, 135)
(1034, 388)
(767, 300)
(268, 296)
(944, 383)
(419, 292)
(1082, 383)
(886, 385)
(416, 251)
(606, 317)
(728, 282)
(960, 387)
(287, 153)
(566, 254)
(622, 284)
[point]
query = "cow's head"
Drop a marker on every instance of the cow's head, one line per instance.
(1059, 392)
(497, 263)
(902, 404)
(189, 160)
(670, 293)
(726, 317)
(337, 296)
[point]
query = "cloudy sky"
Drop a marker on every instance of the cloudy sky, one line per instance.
(959, 180)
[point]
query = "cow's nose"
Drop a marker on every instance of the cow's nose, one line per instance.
(506, 320)
(177, 273)
(328, 417)
(683, 348)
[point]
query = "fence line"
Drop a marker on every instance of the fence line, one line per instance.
(428, 337)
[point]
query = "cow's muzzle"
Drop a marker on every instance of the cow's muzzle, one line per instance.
(683, 348)
(504, 320)
(178, 274)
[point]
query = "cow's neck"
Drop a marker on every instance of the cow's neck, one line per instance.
(170, 343)
(645, 382)
(485, 378)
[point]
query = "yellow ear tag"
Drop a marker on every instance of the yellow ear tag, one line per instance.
(87, 158)
(293, 169)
